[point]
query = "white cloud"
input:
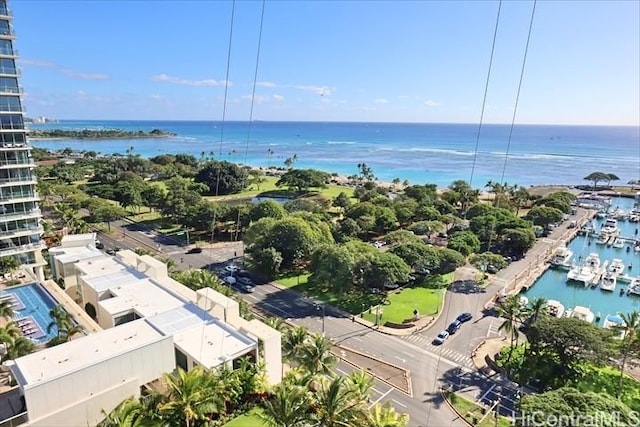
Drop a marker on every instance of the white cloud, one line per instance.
(266, 84)
(84, 76)
(165, 78)
(63, 70)
(431, 103)
(278, 98)
(320, 90)
(36, 63)
(381, 101)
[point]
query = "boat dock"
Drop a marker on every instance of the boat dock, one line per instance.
(537, 260)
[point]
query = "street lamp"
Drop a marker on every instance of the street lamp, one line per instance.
(318, 308)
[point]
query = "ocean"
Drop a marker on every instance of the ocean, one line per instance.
(420, 153)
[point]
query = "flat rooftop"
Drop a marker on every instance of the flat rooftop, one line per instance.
(99, 266)
(75, 253)
(144, 296)
(51, 363)
(207, 339)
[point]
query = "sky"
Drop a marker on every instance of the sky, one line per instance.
(369, 61)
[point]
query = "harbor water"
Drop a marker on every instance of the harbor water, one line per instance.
(553, 285)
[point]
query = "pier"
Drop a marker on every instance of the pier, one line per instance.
(537, 259)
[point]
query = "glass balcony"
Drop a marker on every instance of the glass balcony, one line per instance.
(17, 162)
(19, 180)
(5, 12)
(14, 216)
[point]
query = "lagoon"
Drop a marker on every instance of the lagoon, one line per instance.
(553, 285)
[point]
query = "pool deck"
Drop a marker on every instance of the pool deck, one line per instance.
(78, 314)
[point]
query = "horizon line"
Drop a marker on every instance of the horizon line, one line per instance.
(339, 121)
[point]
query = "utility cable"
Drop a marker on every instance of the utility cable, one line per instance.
(515, 106)
(253, 96)
(486, 90)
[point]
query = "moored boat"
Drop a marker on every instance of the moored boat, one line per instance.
(608, 281)
(562, 256)
(582, 313)
(555, 308)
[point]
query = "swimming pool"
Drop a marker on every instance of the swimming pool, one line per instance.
(32, 304)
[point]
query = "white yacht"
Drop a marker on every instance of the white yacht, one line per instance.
(613, 321)
(608, 281)
(562, 256)
(634, 287)
(585, 272)
(618, 243)
(555, 308)
(603, 238)
(610, 226)
(582, 313)
(616, 267)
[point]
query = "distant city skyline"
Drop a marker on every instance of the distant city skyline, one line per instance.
(331, 61)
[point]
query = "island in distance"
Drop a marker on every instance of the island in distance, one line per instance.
(97, 134)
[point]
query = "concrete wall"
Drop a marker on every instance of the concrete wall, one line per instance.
(87, 391)
(88, 411)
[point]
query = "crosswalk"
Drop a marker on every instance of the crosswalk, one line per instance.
(443, 350)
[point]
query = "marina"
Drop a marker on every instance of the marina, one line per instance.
(601, 279)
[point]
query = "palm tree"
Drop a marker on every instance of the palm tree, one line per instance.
(6, 309)
(276, 323)
(189, 398)
(385, 416)
(129, 413)
(292, 342)
(63, 323)
(16, 347)
(511, 311)
(337, 405)
(630, 341)
(10, 330)
(361, 383)
(316, 357)
(536, 308)
(287, 407)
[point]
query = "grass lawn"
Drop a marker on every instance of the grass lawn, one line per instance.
(353, 302)
(472, 412)
(268, 188)
(400, 305)
(250, 419)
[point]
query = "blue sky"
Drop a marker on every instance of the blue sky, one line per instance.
(419, 61)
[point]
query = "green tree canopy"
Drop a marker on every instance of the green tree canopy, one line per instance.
(222, 177)
(303, 179)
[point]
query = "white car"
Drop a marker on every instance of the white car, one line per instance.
(231, 268)
(441, 338)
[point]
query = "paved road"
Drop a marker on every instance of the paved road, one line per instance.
(431, 367)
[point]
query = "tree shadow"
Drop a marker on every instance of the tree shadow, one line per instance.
(466, 287)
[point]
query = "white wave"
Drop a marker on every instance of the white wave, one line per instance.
(341, 142)
(426, 150)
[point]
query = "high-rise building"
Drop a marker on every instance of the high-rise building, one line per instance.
(20, 217)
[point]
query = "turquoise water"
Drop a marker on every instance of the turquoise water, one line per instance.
(552, 284)
(420, 152)
(33, 304)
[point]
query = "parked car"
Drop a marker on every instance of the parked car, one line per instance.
(231, 268)
(194, 251)
(229, 280)
(244, 280)
(110, 251)
(246, 288)
(492, 269)
(454, 326)
(391, 285)
(99, 244)
(464, 317)
(441, 338)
